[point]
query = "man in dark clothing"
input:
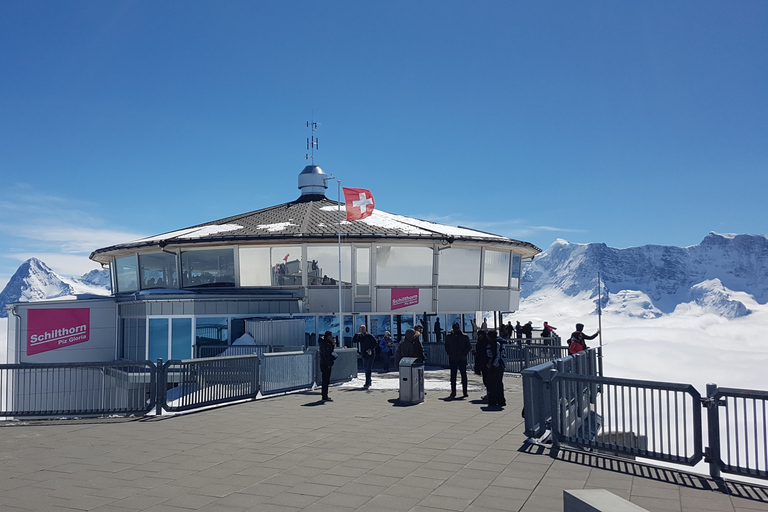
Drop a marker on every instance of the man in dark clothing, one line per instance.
(496, 363)
(576, 343)
(528, 330)
(326, 346)
(411, 346)
(367, 344)
(438, 330)
(481, 357)
(457, 346)
(518, 330)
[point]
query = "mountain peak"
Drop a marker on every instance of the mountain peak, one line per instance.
(34, 280)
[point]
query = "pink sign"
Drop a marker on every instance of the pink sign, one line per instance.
(404, 297)
(49, 329)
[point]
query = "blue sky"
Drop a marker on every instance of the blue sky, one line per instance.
(627, 123)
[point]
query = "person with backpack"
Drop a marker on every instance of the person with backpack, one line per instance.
(577, 343)
(457, 346)
(496, 364)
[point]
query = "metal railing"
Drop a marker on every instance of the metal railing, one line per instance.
(537, 403)
(51, 390)
(203, 351)
(287, 371)
(653, 420)
(519, 357)
(194, 383)
(738, 440)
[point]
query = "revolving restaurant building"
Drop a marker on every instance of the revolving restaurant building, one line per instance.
(173, 290)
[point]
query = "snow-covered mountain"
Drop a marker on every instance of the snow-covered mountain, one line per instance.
(34, 280)
(721, 275)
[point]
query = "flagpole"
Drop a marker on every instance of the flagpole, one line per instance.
(341, 305)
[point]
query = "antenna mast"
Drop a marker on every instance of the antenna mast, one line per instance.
(312, 142)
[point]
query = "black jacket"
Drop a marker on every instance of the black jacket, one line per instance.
(367, 342)
(326, 350)
(457, 346)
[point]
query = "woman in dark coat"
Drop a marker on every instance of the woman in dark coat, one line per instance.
(481, 358)
(326, 347)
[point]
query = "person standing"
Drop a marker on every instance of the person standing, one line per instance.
(546, 333)
(480, 358)
(457, 346)
(518, 330)
(411, 346)
(528, 329)
(367, 344)
(327, 359)
(387, 346)
(576, 343)
(496, 363)
(484, 325)
(438, 330)
(474, 329)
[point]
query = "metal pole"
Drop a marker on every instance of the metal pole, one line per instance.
(341, 316)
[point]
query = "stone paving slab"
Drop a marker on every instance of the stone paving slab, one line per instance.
(363, 451)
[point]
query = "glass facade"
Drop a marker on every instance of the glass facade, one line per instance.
(127, 274)
(459, 267)
(323, 265)
(158, 270)
(208, 268)
(403, 266)
(496, 268)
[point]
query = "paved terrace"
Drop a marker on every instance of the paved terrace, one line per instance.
(360, 452)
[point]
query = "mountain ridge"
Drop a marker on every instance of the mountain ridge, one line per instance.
(709, 274)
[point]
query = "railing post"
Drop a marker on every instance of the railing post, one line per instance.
(554, 422)
(712, 452)
(160, 387)
(526, 357)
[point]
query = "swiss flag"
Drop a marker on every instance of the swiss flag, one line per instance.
(359, 203)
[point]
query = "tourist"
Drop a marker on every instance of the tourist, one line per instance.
(457, 346)
(438, 330)
(577, 341)
(386, 346)
(327, 358)
(367, 347)
(496, 363)
(480, 358)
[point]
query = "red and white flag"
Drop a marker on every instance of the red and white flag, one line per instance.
(359, 203)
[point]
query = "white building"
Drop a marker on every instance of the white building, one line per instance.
(176, 291)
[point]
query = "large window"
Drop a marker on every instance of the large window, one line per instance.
(516, 271)
(208, 268)
(323, 265)
(158, 270)
(496, 269)
(127, 274)
(402, 266)
(460, 267)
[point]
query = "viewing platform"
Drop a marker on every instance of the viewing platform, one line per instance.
(362, 451)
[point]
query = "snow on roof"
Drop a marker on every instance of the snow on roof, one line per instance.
(277, 226)
(196, 232)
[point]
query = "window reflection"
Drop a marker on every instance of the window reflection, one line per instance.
(401, 266)
(496, 269)
(460, 267)
(208, 268)
(212, 331)
(127, 274)
(323, 265)
(286, 265)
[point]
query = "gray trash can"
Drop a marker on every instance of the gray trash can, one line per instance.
(411, 380)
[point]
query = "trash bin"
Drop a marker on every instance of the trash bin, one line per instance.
(411, 380)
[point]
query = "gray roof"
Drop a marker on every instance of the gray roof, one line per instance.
(315, 219)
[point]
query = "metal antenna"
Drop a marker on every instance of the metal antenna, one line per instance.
(312, 142)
